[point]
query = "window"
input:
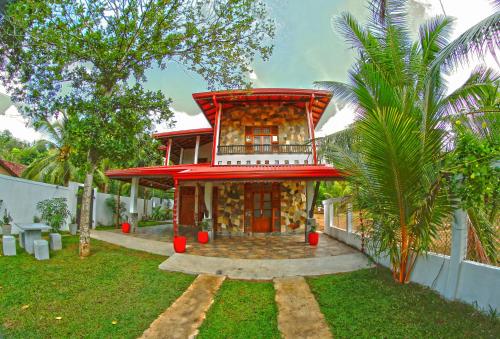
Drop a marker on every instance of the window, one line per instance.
(262, 139)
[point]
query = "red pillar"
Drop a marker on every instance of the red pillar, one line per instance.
(174, 211)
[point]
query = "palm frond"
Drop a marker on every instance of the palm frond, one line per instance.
(475, 42)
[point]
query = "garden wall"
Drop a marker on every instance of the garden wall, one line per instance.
(20, 197)
(453, 278)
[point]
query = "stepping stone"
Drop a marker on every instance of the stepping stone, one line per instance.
(183, 318)
(9, 245)
(55, 241)
(41, 248)
(299, 315)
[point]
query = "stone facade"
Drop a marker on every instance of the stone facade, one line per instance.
(230, 207)
(293, 206)
(290, 120)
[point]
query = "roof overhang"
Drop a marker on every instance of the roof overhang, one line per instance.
(163, 176)
(207, 101)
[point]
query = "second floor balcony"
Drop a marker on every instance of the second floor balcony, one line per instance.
(265, 149)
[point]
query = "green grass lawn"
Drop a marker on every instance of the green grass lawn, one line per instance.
(142, 223)
(369, 304)
(242, 309)
(114, 284)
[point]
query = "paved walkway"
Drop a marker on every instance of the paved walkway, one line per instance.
(183, 318)
(135, 243)
(299, 315)
(265, 269)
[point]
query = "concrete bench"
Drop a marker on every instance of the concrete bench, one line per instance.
(41, 248)
(9, 245)
(55, 241)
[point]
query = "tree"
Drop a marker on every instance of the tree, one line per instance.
(395, 157)
(89, 58)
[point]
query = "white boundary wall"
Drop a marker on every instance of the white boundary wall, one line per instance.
(20, 197)
(471, 282)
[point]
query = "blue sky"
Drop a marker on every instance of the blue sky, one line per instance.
(306, 49)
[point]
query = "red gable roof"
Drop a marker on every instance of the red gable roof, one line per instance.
(13, 168)
(207, 100)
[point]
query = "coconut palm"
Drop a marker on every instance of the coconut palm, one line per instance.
(400, 134)
(57, 166)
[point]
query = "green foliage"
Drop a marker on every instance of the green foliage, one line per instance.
(369, 304)
(103, 279)
(161, 213)
(242, 309)
(111, 204)
(15, 150)
(54, 212)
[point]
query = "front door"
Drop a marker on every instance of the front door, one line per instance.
(186, 210)
(262, 207)
(262, 211)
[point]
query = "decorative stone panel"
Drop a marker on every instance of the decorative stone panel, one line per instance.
(293, 206)
(230, 208)
(291, 122)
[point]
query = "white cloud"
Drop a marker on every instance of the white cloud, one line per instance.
(18, 125)
(339, 121)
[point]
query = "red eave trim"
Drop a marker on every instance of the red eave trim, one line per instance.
(193, 132)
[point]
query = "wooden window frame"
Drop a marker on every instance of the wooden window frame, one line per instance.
(250, 137)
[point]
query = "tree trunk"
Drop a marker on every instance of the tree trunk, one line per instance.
(145, 206)
(315, 197)
(84, 249)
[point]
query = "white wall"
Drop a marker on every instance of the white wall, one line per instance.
(20, 197)
(205, 151)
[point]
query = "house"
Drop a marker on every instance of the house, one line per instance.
(12, 169)
(253, 171)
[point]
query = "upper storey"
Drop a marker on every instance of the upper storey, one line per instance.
(251, 127)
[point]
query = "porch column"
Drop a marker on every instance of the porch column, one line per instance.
(196, 150)
(309, 205)
(196, 203)
(174, 208)
(181, 156)
(134, 188)
(208, 203)
(167, 155)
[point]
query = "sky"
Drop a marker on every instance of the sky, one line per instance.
(306, 49)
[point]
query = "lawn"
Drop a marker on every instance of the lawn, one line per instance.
(242, 309)
(368, 303)
(113, 285)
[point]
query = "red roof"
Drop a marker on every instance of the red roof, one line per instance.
(13, 168)
(207, 100)
(190, 132)
(164, 175)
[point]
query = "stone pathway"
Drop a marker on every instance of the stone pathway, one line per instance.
(146, 245)
(265, 269)
(299, 315)
(183, 318)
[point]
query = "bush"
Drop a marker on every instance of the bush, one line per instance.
(54, 212)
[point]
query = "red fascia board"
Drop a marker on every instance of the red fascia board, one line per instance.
(193, 132)
(151, 171)
(263, 172)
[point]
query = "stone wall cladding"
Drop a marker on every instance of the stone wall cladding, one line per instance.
(291, 122)
(293, 206)
(230, 209)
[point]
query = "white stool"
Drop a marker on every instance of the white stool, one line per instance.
(9, 245)
(41, 248)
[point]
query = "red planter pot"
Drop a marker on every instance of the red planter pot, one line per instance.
(313, 238)
(202, 237)
(180, 244)
(126, 227)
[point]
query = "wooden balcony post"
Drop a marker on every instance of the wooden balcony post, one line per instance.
(167, 155)
(196, 150)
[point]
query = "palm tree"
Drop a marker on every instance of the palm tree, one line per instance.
(57, 166)
(397, 153)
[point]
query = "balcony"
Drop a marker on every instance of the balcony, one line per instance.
(264, 149)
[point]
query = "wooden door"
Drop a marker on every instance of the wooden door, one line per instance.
(262, 211)
(186, 208)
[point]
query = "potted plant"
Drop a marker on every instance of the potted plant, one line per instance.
(125, 227)
(313, 235)
(6, 226)
(203, 234)
(179, 244)
(54, 212)
(73, 226)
